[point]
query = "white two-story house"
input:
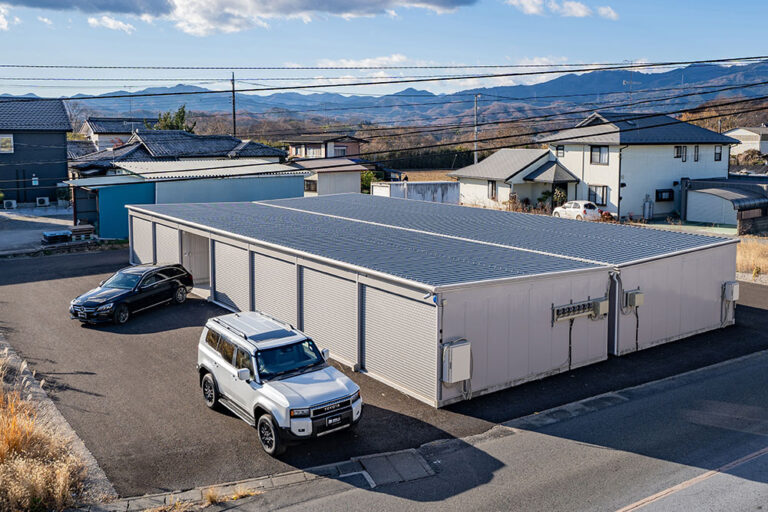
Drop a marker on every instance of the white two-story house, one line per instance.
(623, 160)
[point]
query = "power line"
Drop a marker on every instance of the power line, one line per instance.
(377, 82)
(434, 66)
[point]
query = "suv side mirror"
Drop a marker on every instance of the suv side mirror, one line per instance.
(243, 374)
(326, 353)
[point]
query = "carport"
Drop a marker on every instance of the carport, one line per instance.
(446, 302)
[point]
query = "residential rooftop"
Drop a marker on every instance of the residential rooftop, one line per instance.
(33, 115)
(121, 125)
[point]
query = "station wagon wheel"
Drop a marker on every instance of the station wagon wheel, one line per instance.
(210, 392)
(268, 437)
(180, 295)
(122, 314)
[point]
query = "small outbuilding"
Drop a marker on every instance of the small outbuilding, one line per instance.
(435, 191)
(446, 302)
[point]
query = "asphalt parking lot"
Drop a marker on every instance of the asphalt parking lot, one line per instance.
(131, 392)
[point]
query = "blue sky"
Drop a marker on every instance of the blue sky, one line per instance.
(399, 32)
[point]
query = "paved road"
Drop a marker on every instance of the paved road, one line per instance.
(697, 443)
(131, 392)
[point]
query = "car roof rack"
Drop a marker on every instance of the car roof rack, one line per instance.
(230, 328)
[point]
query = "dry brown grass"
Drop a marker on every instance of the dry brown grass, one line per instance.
(176, 506)
(428, 175)
(752, 257)
(38, 470)
(211, 496)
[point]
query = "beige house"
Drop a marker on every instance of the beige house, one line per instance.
(323, 146)
(330, 176)
(755, 137)
(110, 132)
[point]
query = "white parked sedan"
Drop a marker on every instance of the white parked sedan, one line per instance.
(578, 210)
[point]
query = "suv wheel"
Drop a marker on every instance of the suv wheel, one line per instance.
(210, 391)
(180, 295)
(579, 217)
(268, 436)
(556, 214)
(122, 314)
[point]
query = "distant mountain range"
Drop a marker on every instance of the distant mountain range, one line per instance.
(568, 92)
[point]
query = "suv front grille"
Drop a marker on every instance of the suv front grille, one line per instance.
(82, 308)
(330, 408)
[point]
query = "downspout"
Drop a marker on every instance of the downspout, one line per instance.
(618, 198)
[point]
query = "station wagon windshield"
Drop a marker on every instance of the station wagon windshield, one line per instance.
(123, 281)
(277, 361)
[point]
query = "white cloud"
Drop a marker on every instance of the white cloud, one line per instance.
(4, 18)
(45, 20)
(111, 23)
(528, 6)
(396, 59)
(608, 13)
(570, 9)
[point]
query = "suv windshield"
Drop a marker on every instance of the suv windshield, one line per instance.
(124, 281)
(273, 362)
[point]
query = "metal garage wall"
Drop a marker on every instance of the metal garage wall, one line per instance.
(274, 287)
(231, 279)
(709, 208)
(329, 313)
(166, 244)
(394, 325)
(141, 241)
(510, 328)
(682, 296)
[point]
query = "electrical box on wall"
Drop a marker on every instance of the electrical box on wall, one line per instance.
(601, 307)
(635, 298)
(731, 291)
(457, 362)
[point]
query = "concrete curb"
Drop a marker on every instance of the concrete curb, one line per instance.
(97, 484)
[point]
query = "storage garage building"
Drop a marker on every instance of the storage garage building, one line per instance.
(446, 302)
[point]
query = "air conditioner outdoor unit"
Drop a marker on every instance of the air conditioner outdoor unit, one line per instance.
(43, 201)
(9, 204)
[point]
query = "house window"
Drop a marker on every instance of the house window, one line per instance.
(310, 186)
(6, 143)
(695, 153)
(678, 151)
(598, 155)
(492, 190)
(666, 194)
(685, 154)
(598, 194)
(718, 153)
(560, 151)
(340, 151)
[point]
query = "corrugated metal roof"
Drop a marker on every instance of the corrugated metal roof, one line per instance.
(741, 198)
(501, 165)
(33, 115)
(329, 165)
(603, 242)
(635, 128)
(104, 181)
(551, 172)
(207, 168)
(425, 258)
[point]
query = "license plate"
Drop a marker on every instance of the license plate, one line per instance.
(335, 420)
(82, 314)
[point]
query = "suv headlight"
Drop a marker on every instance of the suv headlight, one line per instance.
(105, 307)
(299, 413)
(355, 397)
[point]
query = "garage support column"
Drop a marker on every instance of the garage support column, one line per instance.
(359, 364)
(131, 243)
(251, 284)
(299, 297)
(439, 372)
(211, 268)
(154, 242)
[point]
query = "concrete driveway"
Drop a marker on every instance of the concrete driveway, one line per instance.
(131, 392)
(23, 231)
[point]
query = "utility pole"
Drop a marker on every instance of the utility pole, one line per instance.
(234, 115)
(476, 96)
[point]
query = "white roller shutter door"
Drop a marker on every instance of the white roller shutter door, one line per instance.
(231, 279)
(142, 240)
(400, 341)
(274, 287)
(329, 308)
(166, 244)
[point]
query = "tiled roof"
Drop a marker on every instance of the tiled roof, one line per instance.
(551, 172)
(33, 115)
(319, 139)
(181, 144)
(78, 148)
(501, 165)
(618, 128)
(133, 152)
(118, 124)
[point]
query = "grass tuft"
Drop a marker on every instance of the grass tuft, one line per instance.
(752, 257)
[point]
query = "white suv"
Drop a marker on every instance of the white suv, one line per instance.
(274, 378)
